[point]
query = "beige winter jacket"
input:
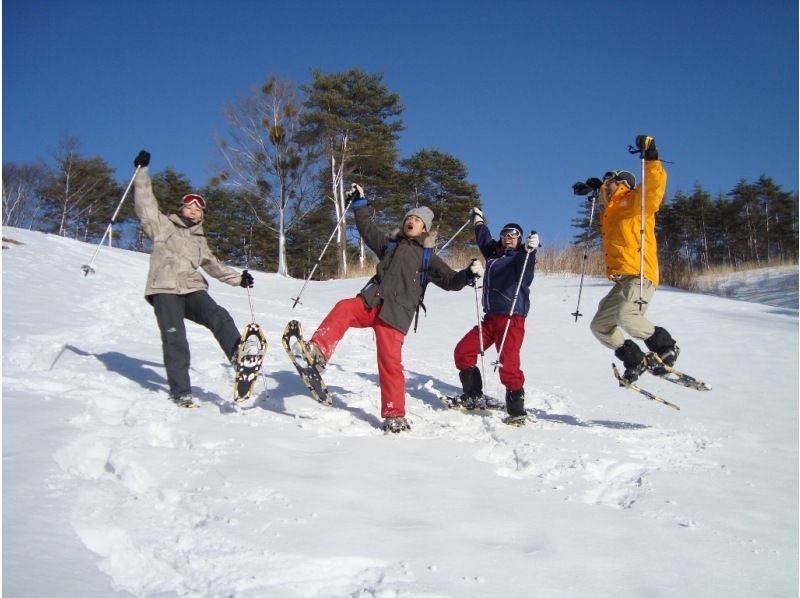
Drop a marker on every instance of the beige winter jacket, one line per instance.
(178, 250)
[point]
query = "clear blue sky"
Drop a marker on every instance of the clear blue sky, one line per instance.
(531, 95)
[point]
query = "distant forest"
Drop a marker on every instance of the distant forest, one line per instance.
(278, 196)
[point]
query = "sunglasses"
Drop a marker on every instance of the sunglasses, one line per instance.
(188, 200)
(511, 233)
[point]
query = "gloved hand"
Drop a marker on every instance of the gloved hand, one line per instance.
(356, 192)
(477, 216)
(142, 159)
(476, 268)
(594, 183)
(580, 188)
(532, 244)
(356, 196)
(247, 280)
(647, 147)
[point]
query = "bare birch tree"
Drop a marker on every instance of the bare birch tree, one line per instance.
(265, 160)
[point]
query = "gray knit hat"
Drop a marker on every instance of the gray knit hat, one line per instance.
(423, 213)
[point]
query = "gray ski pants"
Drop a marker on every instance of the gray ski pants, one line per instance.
(197, 307)
(619, 311)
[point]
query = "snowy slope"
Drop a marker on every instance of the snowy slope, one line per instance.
(110, 489)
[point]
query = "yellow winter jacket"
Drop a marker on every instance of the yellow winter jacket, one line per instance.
(620, 223)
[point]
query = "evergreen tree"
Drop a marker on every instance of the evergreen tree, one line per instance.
(354, 120)
(438, 180)
(235, 234)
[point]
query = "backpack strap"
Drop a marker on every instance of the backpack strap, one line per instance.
(423, 281)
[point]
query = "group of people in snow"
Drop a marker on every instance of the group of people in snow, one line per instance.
(389, 301)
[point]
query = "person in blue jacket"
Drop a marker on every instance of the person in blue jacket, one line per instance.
(499, 327)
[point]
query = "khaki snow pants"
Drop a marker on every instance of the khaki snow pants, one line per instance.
(618, 311)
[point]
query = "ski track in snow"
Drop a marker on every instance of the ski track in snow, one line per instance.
(217, 535)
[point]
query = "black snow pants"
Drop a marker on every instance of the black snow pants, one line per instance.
(197, 307)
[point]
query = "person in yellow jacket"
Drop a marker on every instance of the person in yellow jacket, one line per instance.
(624, 307)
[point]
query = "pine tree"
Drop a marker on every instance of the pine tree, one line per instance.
(438, 180)
(354, 120)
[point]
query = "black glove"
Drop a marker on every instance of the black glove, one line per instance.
(647, 147)
(594, 183)
(247, 280)
(581, 189)
(143, 159)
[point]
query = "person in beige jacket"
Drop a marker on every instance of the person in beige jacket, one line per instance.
(175, 288)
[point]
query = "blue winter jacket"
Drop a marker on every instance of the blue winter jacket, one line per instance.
(502, 276)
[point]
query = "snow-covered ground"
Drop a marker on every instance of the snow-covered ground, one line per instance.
(775, 285)
(109, 489)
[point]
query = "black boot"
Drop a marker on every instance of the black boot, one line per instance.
(472, 384)
(662, 344)
(515, 402)
(633, 359)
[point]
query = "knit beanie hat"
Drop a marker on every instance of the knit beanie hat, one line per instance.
(423, 213)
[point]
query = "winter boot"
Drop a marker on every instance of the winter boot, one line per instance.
(515, 402)
(395, 425)
(662, 344)
(317, 359)
(633, 359)
(251, 348)
(186, 401)
(472, 383)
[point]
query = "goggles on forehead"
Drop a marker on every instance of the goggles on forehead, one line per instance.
(193, 198)
(611, 175)
(511, 233)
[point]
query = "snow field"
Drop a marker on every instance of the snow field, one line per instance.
(108, 487)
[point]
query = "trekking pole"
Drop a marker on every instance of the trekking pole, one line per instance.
(633, 150)
(577, 313)
(250, 299)
(454, 236)
(513, 305)
(324, 249)
(641, 300)
(87, 268)
(480, 331)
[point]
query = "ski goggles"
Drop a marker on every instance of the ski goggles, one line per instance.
(511, 233)
(193, 198)
(620, 176)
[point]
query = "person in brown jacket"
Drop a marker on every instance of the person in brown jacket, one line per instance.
(174, 287)
(623, 308)
(389, 301)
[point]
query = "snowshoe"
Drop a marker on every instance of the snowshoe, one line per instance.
(307, 361)
(185, 401)
(247, 361)
(395, 425)
(515, 421)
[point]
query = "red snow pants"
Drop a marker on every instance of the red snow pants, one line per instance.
(353, 313)
(468, 348)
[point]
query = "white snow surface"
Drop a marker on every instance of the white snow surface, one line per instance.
(109, 489)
